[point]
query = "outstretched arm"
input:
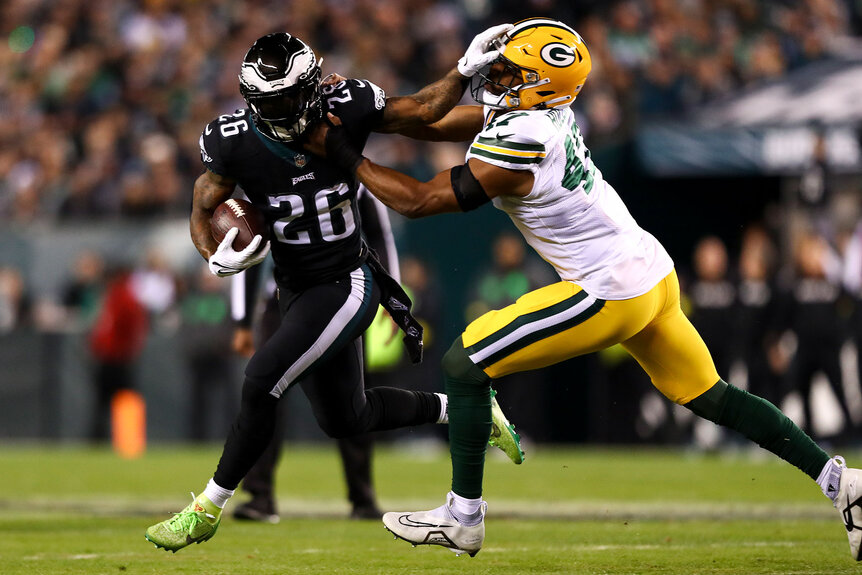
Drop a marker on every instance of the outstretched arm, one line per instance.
(461, 188)
(425, 106)
(432, 102)
(461, 124)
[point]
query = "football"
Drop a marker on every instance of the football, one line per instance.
(238, 213)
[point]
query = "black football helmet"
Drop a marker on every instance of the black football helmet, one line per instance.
(280, 82)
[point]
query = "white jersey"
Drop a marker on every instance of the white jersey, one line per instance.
(573, 218)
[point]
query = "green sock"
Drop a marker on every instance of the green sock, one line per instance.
(469, 391)
(761, 422)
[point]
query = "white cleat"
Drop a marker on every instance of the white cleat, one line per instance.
(849, 504)
(437, 527)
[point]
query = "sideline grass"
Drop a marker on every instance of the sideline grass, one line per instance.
(81, 510)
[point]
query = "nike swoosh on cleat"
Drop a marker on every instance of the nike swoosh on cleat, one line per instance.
(847, 513)
(190, 539)
(407, 522)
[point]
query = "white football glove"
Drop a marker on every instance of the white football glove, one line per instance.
(480, 53)
(226, 261)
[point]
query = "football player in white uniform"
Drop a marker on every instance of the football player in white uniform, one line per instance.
(618, 284)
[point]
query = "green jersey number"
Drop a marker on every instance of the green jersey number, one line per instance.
(504, 119)
(577, 155)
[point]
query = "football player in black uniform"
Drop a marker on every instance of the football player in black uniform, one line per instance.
(355, 450)
(329, 285)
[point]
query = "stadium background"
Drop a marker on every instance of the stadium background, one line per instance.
(705, 115)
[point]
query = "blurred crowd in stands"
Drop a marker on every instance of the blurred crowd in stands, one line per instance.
(103, 102)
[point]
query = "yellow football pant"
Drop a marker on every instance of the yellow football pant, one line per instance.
(561, 321)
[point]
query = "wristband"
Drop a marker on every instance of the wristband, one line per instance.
(340, 151)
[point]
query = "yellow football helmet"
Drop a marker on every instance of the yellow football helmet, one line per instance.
(543, 63)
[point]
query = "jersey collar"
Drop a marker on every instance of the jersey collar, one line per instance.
(283, 151)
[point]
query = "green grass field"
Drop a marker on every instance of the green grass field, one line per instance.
(76, 510)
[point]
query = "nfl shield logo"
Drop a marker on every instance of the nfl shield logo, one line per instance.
(300, 160)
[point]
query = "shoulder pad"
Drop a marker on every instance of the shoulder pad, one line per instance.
(209, 146)
(538, 126)
(359, 104)
(355, 91)
(514, 140)
(222, 137)
(376, 91)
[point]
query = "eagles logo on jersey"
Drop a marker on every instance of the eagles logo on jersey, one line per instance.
(544, 63)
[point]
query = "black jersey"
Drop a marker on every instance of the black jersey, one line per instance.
(309, 203)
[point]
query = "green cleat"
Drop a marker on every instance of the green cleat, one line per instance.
(503, 433)
(197, 523)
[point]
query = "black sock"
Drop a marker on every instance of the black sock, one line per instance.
(393, 408)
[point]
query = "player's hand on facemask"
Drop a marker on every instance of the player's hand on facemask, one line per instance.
(332, 79)
(226, 261)
(481, 51)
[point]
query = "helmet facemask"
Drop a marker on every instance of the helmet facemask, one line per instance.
(283, 115)
(498, 84)
(280, 82)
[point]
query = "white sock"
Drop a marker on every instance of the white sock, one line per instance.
(465, 509)
(444, 408)
(217, 494)
(830, 477)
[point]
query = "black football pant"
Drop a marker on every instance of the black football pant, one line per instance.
(356, 455)
(355, 451)
(319, 333)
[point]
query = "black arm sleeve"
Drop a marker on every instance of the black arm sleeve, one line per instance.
(468, 190)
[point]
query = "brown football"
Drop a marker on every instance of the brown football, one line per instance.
(238, 213)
